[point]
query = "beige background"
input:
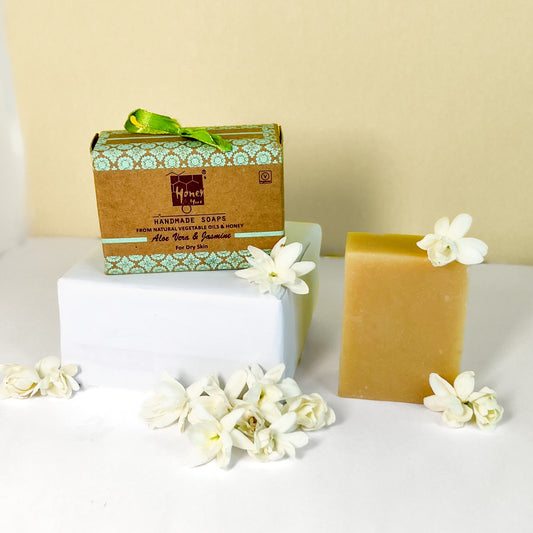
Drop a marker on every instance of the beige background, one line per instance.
(394, 112)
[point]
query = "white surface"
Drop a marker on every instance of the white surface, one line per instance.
(124, 331)
(91, 464)
(12, 185)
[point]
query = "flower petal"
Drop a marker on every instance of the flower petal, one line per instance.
(217, 406)
(284, 423)
(202, 415)
(204, 438)
(330, 417)
(224, 453)
(200, 433)
(257, 253)
(303, 267)
(442, 226)
(247, 273)
(253, 394)
(455, 406)
(288, 255)
(428, 241)
(9, 368)
(483, 392)
(297, 438)
(274, 374)
(440, 386)
(298, 286)
(471, 251)
(255, 373)
(235, 384)
(74, 385)
(440, 255)
(270, 411)
(464, 385)
(435, 403)
(286, 447)
(197, 388)
(48, 364)
(240, 440)
(228, 422)
(70, 370)
(457, 421)
(161, 421)
(278, 247)
(290, 388)
(459, 226)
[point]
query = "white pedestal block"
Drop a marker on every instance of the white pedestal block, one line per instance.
(124, 331)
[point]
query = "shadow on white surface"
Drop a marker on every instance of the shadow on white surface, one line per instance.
(323, 343)
(499, 309)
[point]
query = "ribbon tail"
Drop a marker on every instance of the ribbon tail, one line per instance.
(202, 135)
(221, 143)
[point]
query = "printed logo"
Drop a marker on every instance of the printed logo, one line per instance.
(265, 176)
(187, 190)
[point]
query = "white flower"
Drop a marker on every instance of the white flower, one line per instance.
(277, 270)
(218, 401)
(171, 402)
(19, 381)
(233, 388)
(270, 383)
(277, 440)
(451, 400)
(217, 405)
(448, 243)
(312, 412)
(487, 411)
(235, 385)
(460, 403)
(216, 438)
(267, 389)
(56, 380)
(252, 419)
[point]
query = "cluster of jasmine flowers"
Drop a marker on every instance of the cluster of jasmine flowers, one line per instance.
(459, 403)
(256, 411)
(47, 378)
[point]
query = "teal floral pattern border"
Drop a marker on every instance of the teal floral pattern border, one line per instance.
(181, 262)
(160, 153)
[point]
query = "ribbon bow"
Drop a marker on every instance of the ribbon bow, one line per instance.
(142, 121)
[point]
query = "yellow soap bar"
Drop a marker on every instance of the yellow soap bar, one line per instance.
(403, 319)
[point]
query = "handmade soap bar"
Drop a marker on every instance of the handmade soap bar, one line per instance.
(124, 331)
(168, 204)
(403, 319)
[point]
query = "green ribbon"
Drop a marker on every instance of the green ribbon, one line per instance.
(142, 121)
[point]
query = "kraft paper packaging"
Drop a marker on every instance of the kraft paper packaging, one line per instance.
(168, 204)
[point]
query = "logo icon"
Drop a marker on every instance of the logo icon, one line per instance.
(187, 190)
(265, 176)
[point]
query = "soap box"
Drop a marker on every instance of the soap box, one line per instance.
(167, 204)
